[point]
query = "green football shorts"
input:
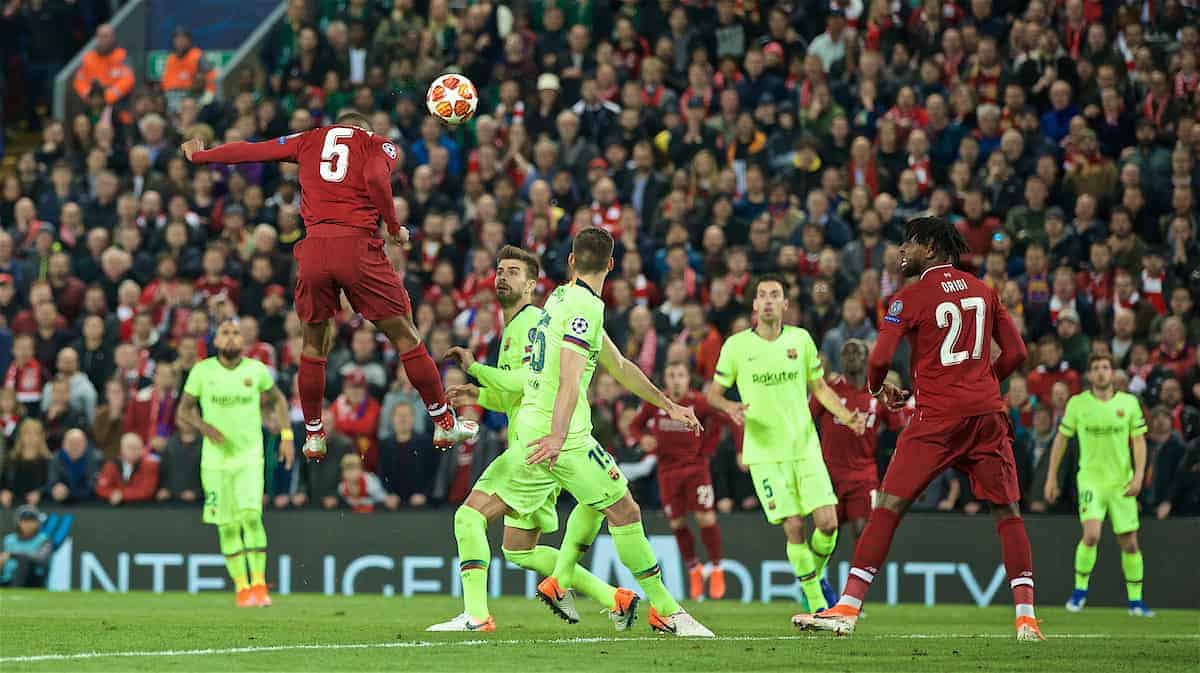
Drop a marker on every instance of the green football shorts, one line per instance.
(232, 495)
(495, 480)
(584, 469)
(1097, 501)
(792, 488)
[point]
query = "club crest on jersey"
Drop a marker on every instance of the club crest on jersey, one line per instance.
(579, 325)
(390, 150)
(507, 343)
(792, 354)
(248, 382)
(614, 474)
(894, 312)
(1120, 413)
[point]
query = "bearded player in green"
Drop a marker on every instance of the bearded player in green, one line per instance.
(554, 427)
(502, 390)
(774, 366)
(223, 400)
(1106, 423)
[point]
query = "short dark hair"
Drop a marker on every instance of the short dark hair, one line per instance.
(771, 278)
(530, 260)
(1107, 357)
(355, 119)
(938, 233)
(593, 247)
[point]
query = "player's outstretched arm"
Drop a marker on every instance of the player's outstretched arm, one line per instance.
(570, 373)
(631, 377)
(280, 149)
(736, 411)
(504, 380)
(833, 404)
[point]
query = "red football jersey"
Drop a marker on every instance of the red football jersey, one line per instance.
(950, 318)
(848, 456)
(27, 379)
(678, 447)
(344, 175)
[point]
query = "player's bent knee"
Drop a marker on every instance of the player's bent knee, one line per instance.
(706, 519)
(623, 512)
(676, 524)
(1128, 542)
(825, 519)
(519, 540)
(892, 502)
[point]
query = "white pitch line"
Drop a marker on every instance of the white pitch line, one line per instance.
(422, 644)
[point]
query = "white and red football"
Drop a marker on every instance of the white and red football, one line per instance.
(452, 99)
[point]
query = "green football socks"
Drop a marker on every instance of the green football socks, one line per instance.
(805, 564)
(822, 546)
(1085, 560)
(470, 530)
(255, 537)
(636, 554)
(1131, 565)
(582, 527)
(542, 560)
(235, 558)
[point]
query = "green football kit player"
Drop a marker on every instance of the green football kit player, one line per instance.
(554, 427)
(223, 400)
(502, 389)
(774, 366)
(1106, 423)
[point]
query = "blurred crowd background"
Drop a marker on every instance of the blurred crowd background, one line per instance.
(715, 140)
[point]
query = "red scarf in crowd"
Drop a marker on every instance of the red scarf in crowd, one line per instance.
(1152, 288)
(867, 175)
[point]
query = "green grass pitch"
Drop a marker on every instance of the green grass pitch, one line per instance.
(179, 632)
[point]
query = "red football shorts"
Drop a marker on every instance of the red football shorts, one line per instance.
(854, 498)
(980, 446)
(356, 265)
(684, 490)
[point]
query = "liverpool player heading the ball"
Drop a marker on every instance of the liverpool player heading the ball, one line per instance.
(950, 318)
(346, 190)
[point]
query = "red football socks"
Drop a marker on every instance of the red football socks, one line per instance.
(1018, 561)
(311, 386)
(423, 374)
(687, 546)
(869, 554)
(711, 537)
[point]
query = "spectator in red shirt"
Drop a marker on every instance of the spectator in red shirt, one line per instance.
(606, 211)
(26, 375)
(356, 415)
(130, 477)
(1173, 352)
(151, 413)
(1051, 370)
(977, 227)
(214, 281)
(257, 349)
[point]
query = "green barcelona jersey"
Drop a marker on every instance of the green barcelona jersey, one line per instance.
(504, 384)
(573, 320)
(1104, 429)
(772, 378)
(231, 402)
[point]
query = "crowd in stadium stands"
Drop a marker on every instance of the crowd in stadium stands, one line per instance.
(715, 140)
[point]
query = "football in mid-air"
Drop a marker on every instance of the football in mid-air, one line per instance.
(452, 99)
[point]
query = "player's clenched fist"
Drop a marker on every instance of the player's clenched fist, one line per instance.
(462, 395)
(462, 356)
(190, 147)
(1050, 492)
(892, 397)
